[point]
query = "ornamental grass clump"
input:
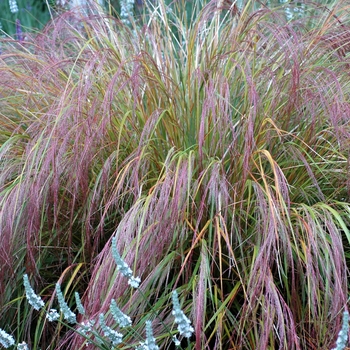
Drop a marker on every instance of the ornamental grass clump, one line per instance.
(211, 146)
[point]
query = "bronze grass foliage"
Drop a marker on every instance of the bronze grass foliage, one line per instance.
(214, 149)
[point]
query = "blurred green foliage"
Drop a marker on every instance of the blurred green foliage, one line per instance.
(32, 15)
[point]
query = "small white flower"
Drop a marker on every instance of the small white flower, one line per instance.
(176, 341)
(150, 343)
(69, 316)
(123, 267)
(13, 6)
(22, 346)
(343, 334)
(126, 11)
(134, 281)
(53, 315)
(86, 327)
(80, 306)
(115, 337)
(32, 298)
(119, 317)
(183, 323)
(6, 340)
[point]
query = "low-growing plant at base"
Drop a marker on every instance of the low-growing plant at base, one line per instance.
(89, 329)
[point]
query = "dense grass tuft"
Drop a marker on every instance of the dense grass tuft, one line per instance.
(214, 149)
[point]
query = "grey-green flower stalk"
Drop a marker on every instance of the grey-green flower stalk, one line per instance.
(6, 340)
(13, 6)
(22, 346)
(150, 343)
(33, 299)
(52, 315)
(68, 315)
(126, 11)
(183, 323)
(150, 340)
(123, 267)
(80, 306)
(343, 334)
